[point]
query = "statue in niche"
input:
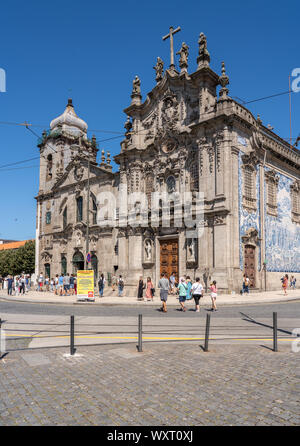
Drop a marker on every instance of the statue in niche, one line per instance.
(148, 249)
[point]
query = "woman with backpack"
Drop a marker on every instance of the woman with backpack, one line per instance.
(182, 289)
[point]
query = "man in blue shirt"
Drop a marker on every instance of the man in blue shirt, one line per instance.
(61, 284)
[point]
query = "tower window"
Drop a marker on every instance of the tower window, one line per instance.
(49, 167)
(79, 208)
(48, 218)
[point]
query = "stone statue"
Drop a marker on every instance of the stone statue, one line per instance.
(184, 54)
(191, 248)
(78, 239)
(204, 56)
(136, 86)
(148, 249)
(159, 67)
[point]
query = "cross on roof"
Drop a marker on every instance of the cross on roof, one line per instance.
(170, 35)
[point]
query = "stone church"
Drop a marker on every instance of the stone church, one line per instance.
(189, 135)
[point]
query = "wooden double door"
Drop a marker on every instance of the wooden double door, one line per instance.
(249, 269)
(169, 257)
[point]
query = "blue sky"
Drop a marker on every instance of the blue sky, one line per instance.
(92, 50)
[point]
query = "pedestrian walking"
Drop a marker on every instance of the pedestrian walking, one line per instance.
(40, 282)
(182, 288)
(285, 283)
(72, 279)
(294, 283)
(101, 285)
(56, 285)
(61, 284)
(246, 283)
(114, 282)
(10, 282)
(22, 284)
(172, 283)
(164, 286)
(141, 287)
(213, 295)
(197, 293)
(47, 283)
(52, 285)
(67, 284)
(149, 290)
(120, 286)
(189, 288)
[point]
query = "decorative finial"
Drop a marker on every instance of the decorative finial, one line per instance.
(108, 160)
(223, 81)
(102, 159)
(184, 54)
(136, 91)
(204, 57)
(70, 103)
(259, 121)
(159, 68)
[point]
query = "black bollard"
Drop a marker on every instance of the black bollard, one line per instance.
(72, 349)
(275, 347)
(207, 332)
(140, 345)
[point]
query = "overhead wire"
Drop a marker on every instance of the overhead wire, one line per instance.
(29, 125)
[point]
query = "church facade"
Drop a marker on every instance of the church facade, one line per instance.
(189, 138)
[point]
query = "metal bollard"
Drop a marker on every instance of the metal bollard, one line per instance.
(275, 347)
(207, 332)
(140, 346)
(72, 349)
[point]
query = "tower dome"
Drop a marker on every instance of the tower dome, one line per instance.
(69, 121)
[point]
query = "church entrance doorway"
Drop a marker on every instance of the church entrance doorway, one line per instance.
(169, 257)
(78, 262)
(249, 268)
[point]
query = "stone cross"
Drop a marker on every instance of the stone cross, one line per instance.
(170, 35)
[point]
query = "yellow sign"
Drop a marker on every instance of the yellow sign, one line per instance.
(85, 284)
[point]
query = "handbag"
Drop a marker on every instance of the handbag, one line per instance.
(153, 291)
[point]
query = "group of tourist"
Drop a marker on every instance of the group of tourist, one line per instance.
(16, 285)
(61, 285)
(186, 290)
(115, 282)
(285, 283)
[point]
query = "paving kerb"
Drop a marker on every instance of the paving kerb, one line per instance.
(222, 299)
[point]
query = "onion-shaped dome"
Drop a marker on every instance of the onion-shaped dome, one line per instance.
(69, 120)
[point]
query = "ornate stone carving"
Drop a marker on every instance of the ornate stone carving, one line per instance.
(251, 237)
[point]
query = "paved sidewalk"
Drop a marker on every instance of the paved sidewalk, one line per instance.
(166, 385)
(111, 298)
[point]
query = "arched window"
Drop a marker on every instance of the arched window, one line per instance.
(79, 208)
(65, 217)
(47, 270)
(63, 265)
(94, 211)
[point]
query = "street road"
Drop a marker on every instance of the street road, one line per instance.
(44, 325)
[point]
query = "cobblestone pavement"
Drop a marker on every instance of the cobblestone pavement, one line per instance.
(166, 385)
